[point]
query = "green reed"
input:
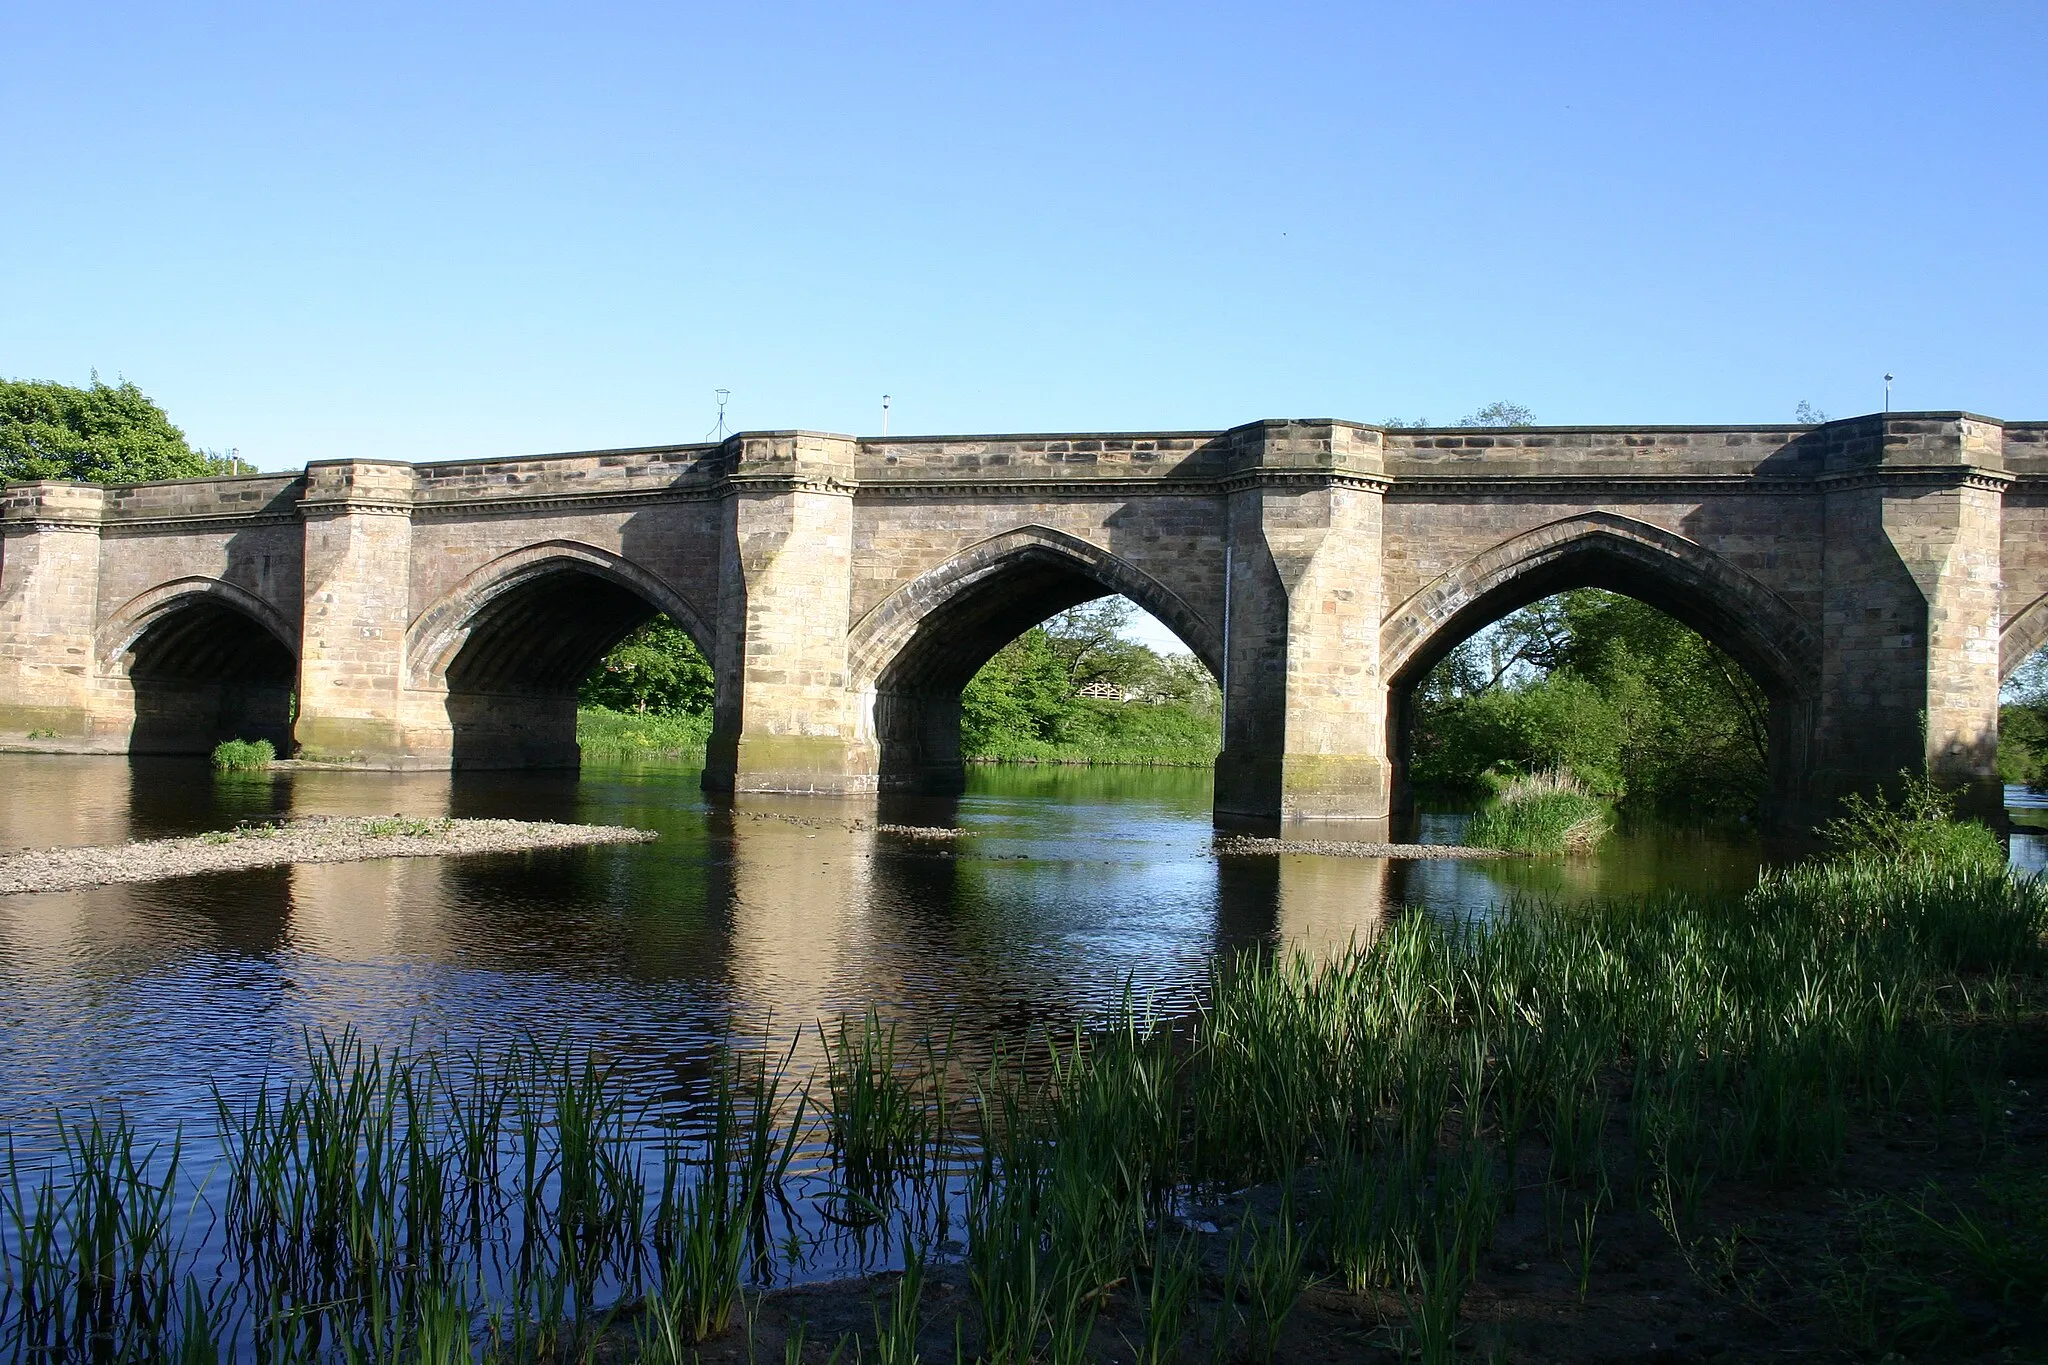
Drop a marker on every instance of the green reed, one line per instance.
(1172, 1281)
(880, 1122)
(896, 1331)
(95, 1266)
(505, 1205)
(1274, 1277)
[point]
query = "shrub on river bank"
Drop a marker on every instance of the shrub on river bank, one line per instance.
(1463, 1131)
(1167, 735)
(1549, 812)
(1916, 821)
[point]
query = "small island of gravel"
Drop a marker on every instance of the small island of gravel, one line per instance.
(309, 839)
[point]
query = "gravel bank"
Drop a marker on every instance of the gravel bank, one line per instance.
(313, 839)
(1244, 844)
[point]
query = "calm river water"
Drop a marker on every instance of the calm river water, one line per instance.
(1071, 888)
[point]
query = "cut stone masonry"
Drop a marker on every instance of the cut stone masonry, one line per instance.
(1878, 576)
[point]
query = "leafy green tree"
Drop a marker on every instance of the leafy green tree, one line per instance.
(2023, 744)
(1630, 701)
(2028, 685)
(1025, 701)
(1183, 680)
(1089, 642)
(104, 433)
(1695, 714)
(1501, 414)
(656, 670)
(1558, 721)
(1019, 698)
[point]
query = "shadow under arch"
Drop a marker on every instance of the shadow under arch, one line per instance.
(206, 661)
(511, 643)
(1660, 568)
(2025, 633)
(918, 648)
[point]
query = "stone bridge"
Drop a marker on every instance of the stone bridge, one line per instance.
(1878, 576)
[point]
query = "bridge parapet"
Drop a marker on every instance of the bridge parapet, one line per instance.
(457, 483)
(169, 501)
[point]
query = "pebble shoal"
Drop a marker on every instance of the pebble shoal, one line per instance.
(314, 839)
(1244, 844)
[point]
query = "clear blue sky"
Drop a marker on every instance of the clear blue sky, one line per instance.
(432, 231)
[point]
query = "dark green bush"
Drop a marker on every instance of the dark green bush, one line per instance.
(1548, 812)
(238, 755)
(1918, 823)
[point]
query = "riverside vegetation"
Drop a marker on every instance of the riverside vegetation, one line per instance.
(1636, 708)
(1546, 812)
(1803, 1118)
(243, 755)
(651, 697)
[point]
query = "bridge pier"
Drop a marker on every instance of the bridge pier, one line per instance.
(1910, 616)
(358, 576)
(785, 719)
(49, 588)
(1305, 708)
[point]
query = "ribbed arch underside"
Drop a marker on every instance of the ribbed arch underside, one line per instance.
(917, 697)
(512, 684)
(205, 672)
(950, 645)
(1718, 622)
(547, 633)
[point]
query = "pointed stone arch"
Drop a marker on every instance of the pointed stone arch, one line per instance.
(1680, 577)
(2026, 632)
(437, 635)
(912, 654)
(493, 667)
(879, 639)
(135, 617)
(1606, 550)
(195, 661)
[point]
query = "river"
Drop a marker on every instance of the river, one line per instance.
(1070, 890)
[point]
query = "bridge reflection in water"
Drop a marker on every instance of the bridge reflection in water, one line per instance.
(757, 916)
(1068, 892)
